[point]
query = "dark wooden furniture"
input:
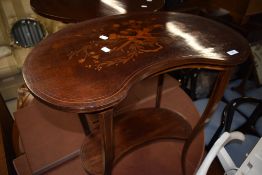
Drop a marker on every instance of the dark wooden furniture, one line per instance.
(90, 67)
(69, 11)
(240, 11)
(7, 152)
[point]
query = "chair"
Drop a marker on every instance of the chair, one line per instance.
(229, 117)
(250, 127)
(219, 151)
(251, 165)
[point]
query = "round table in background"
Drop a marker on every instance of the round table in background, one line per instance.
(69, 11)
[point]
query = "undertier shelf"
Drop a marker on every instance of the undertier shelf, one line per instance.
(133, 130)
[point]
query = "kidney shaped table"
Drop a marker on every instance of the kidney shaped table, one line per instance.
(90, 67)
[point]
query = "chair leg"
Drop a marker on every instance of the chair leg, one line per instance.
(249, 126)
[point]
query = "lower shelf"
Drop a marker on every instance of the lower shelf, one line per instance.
(134, 130)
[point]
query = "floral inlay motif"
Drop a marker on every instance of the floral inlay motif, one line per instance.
(127, 41)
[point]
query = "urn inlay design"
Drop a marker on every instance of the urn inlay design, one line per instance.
(129, 39)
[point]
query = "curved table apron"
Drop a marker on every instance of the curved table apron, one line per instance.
(90, 67)
(69, 11)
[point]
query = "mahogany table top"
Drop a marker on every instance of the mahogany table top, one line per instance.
(80, 10)
(90, 66)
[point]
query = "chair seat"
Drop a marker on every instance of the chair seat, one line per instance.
(239, 150)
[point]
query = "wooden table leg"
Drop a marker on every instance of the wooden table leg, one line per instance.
(84, 123)
(160, 83)
(217, 93)
(107, 138)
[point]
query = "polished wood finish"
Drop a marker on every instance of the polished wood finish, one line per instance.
(84, 122)
(90, 67)
(107, 139)
(217, 93)
(69, 11)
(68, 70)
(131, 130)
(7, 153)
(159, 90)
